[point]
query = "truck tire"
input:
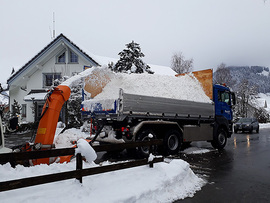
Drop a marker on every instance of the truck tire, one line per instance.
(172, 142)
(220, 139)
(143, 152)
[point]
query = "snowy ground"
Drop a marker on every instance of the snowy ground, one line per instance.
(264, 125)
(166, 182)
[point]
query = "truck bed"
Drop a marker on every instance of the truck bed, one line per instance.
(131, 104)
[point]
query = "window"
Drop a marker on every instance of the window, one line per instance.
(73, 58)
(61, 58)
(23, 110)
(224, 97)
(49, 79)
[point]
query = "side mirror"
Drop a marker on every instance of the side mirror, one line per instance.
(233, 98)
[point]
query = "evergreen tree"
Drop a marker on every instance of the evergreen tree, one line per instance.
(74, 106)
(131, 60)
(16, 108)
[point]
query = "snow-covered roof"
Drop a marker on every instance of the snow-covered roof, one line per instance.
(4, 100)
(160, 70)
(35, 96)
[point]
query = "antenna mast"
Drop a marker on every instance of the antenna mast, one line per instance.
(53, 26)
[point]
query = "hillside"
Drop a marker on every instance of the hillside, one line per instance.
(257, 83)
(256, 75)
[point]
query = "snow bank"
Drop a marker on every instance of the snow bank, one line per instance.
(263, 101)
(264, 125)
(184, 87)
(165, 182)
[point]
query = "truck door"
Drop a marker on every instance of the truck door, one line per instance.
(223, 104)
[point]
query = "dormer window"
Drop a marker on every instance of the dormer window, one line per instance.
(73, 58)
(61, 58)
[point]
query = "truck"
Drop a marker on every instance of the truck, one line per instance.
(139, 117)
(177, 122)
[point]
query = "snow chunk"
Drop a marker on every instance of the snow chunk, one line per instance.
(196, 150)
(75, 79)
(86, 150)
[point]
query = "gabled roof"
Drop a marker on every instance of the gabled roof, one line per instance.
(36, 57)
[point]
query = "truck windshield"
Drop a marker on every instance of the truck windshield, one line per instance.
(224, 97)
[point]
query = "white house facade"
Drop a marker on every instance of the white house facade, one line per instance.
(29, 84)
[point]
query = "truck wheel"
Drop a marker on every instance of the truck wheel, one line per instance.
(143, 152)
(172, 142)
(220, 139)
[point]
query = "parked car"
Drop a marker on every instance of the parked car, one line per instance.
(246, 124)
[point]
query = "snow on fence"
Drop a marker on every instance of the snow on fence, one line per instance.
(15, 158)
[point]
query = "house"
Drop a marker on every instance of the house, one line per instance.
(29, 85)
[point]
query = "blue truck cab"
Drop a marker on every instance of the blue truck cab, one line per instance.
(224, 99)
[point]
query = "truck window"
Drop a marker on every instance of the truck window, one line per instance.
(224, 97)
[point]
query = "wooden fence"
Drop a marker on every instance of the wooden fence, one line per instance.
(79, 172)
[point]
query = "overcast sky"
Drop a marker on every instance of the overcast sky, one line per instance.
(235, 32)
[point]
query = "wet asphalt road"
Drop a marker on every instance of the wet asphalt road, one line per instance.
(239, 173)
(12, 140)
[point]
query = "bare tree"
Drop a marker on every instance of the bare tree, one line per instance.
(180, 65)
(223, 75)
(245, 93)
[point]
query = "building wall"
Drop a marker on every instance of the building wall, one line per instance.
(35, 81)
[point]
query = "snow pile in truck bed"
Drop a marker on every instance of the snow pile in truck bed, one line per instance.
(183, 87)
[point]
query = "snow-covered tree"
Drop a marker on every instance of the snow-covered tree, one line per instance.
(262, 115)
(223, 75)
(131, 60)
(180, 65)
(246, 92)
(74, 106)
(16, 108)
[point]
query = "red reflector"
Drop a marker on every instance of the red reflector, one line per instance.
(123, 129)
